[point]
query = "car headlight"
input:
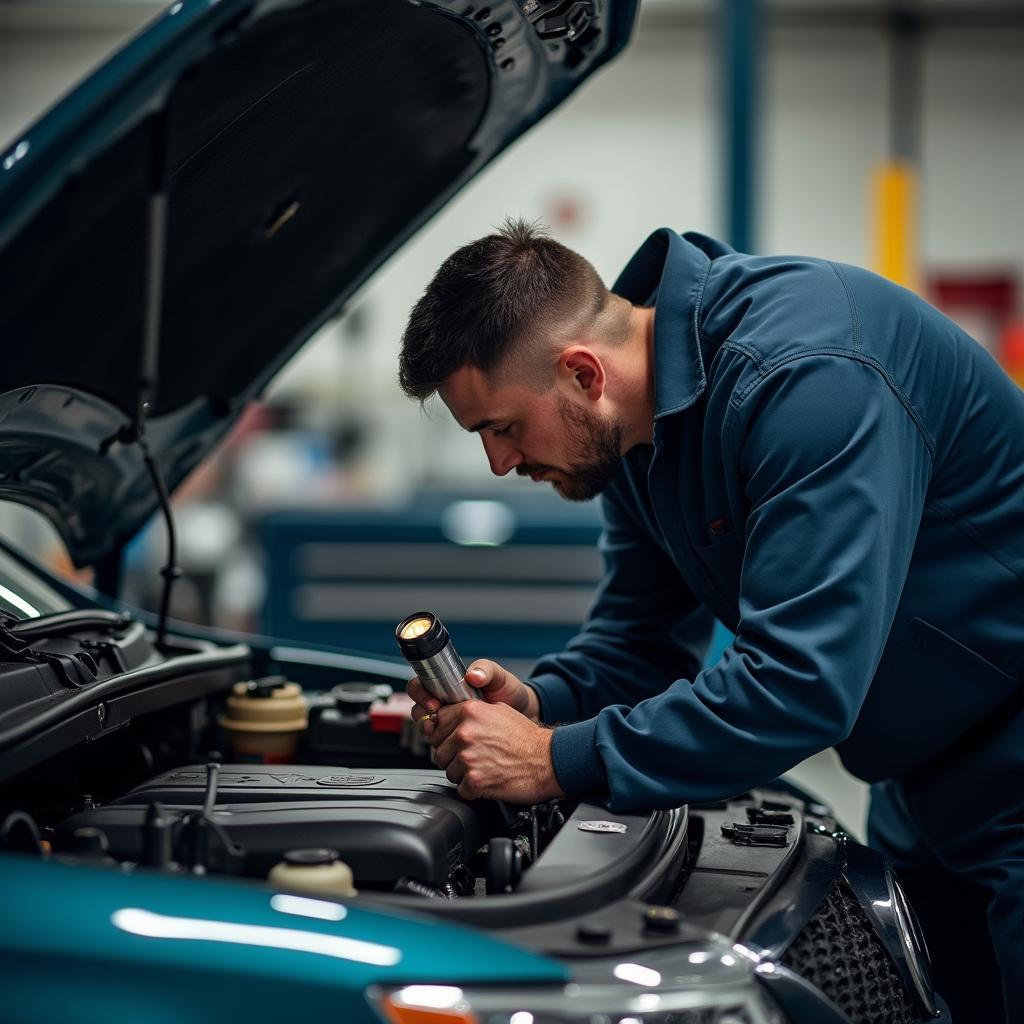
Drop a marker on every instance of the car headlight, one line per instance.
(914, 948)
(689, 984)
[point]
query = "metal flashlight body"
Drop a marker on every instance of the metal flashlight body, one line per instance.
(426, 645)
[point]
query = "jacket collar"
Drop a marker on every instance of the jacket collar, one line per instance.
(670, 270)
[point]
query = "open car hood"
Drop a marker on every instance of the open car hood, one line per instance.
(300, 143)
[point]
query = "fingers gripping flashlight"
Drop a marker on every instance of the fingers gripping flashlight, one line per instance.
(425, 644)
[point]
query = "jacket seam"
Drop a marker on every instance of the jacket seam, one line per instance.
(767, 368)
(698, 306)
(751, 353)
(854, 313)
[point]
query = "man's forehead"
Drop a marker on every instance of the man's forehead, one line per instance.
(465, 392)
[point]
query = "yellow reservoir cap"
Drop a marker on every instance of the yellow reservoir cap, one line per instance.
(329, 880)
(266, 728)
(283, 711)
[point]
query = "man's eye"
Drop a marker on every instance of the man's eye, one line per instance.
(500, 431)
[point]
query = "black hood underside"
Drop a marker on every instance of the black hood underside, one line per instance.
(272, 203)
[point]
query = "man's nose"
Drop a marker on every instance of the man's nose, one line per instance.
(502, 455)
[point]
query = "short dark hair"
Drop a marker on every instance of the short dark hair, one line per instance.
(490, 296)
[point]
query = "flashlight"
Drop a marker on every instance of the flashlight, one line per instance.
(425, 644)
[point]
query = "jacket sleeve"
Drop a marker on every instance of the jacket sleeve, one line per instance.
(644, 628)
(835, 470)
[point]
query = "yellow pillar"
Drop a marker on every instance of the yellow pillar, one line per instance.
(894, 224)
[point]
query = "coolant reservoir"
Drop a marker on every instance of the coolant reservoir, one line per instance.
(265, 719)
(314, 872)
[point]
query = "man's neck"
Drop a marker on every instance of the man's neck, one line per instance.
(638, 404)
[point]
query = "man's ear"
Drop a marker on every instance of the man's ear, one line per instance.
(581, 371)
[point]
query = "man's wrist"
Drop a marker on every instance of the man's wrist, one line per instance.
(532, 709)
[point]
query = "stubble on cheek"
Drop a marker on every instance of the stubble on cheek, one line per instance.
(594, 448)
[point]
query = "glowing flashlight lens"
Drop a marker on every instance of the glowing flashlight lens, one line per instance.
(416, 628)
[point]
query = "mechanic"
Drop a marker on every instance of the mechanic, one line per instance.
(820, 460)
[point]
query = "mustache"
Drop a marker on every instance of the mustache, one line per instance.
(525, 470)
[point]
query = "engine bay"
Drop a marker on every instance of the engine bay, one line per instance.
(301, 773)
(119, 752)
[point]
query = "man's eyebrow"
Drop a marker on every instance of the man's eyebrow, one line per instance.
(482, 425)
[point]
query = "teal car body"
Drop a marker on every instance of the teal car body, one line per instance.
(155, 948)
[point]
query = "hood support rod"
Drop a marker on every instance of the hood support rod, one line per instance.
(156, 247)
(149, 368)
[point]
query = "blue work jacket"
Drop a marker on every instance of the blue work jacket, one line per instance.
(837, 474)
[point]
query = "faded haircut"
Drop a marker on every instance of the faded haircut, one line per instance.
(499, 297)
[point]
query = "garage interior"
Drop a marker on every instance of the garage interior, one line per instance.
(884, 134)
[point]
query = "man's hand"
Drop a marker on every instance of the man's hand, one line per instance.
(496, 686)
(491, 750)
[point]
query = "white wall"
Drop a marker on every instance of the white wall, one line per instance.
(823, 130)
(973, 150)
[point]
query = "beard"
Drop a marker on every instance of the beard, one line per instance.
(594, 451)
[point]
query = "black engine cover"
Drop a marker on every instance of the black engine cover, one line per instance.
(386, 825)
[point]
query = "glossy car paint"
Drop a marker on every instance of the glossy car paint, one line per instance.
(89, 943)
